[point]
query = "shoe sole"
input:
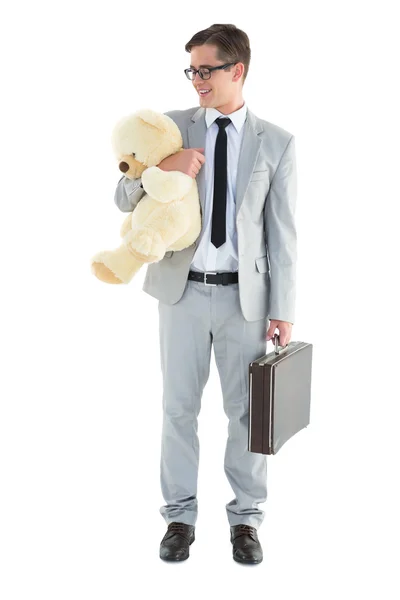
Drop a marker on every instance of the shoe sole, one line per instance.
(247, 561)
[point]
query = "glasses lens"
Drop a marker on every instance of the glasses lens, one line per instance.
(205, 73)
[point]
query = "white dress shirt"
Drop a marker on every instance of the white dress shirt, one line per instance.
(225, 258)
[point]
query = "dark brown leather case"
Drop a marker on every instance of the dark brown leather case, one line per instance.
(279, 396)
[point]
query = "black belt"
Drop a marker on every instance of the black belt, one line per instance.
(211, 278)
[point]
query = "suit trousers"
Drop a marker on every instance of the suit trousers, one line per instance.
(208, 316)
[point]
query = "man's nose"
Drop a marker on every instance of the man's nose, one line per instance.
(197, 76)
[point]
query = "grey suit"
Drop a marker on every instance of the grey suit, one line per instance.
(233, 318)
(266, 190)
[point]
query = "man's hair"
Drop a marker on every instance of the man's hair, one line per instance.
(232, 44)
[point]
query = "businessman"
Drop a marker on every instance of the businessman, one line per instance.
(230, 290)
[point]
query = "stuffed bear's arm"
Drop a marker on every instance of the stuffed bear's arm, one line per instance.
(128, 193)
(166, 186)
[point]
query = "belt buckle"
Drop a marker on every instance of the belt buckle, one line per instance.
(205, 277)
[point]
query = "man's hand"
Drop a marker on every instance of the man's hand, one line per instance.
(188, 161)
(285, 331)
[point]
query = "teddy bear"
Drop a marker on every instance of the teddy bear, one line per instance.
(168, 216)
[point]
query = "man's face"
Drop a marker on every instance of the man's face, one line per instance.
(222, 83)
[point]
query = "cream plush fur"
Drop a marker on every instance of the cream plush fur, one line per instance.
(168, 216)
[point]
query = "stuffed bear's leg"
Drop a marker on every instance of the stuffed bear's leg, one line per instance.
(146, 243)
(126, 225)
(115, 266)
(161, 229)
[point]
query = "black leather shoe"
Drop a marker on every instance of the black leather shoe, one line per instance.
(246, 545)
(175, 543)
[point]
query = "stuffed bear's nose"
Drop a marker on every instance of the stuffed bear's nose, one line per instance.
(124, 167)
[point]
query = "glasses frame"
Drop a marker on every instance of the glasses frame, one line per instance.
(195, 71)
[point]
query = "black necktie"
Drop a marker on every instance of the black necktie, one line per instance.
(218, 231)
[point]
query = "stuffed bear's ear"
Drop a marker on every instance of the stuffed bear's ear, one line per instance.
(155, 119)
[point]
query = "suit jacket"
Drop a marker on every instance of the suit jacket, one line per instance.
(266, 190)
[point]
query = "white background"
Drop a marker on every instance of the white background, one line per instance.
(80, 379)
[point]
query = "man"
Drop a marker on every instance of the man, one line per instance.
(223, 289)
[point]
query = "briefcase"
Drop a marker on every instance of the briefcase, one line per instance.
(279, 396)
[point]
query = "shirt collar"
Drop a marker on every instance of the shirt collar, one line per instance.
(237, 117)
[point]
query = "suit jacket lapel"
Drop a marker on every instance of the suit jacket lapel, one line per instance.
(248, 154)
(197, 139)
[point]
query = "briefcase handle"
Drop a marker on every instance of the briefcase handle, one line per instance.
(275, 340)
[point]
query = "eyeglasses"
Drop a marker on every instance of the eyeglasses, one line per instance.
(204, 72)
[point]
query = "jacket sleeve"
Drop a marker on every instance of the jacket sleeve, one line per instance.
(128, 193)
(281, 237)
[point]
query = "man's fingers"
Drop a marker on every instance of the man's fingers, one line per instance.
(198, 163)
(200, 157)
